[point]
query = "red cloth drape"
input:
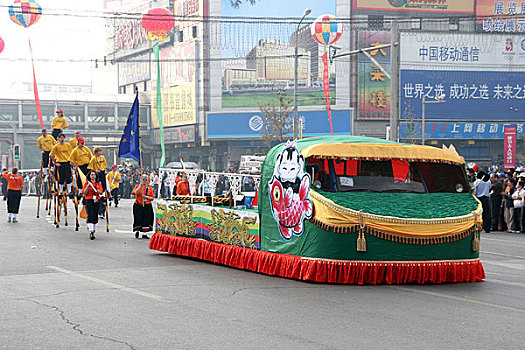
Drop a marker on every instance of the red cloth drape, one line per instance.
(322, 270)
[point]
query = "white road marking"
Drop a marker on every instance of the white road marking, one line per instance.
(501, 240)
(506, 255)
(451, 297)
(107, 283)
(123, 231)
(507, 265)
(515, 284)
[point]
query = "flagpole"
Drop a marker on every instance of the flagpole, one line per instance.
(140, 138)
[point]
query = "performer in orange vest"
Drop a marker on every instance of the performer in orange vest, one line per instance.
(14, 193)
(142, 208)
(92, 191)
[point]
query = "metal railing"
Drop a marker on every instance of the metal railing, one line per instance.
(235, 182)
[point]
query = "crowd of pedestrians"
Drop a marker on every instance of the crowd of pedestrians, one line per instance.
(502, 195)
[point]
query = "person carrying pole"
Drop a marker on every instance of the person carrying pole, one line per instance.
(79, 159)
(113, 181)
(92, 191)
(99, 165)
(142, 208)
(60, 154)
(14, 193)
(45, 143)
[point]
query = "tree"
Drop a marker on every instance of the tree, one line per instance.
(278, 120)
(236, 3)
(413, 133)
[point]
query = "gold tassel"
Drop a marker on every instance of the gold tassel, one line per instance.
(475, 243)
(361, 242)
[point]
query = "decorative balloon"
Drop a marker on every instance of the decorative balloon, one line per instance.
(25, 12)
(326, 30)
(2, 45)
(157, 22)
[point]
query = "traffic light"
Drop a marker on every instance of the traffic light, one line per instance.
(16, 151)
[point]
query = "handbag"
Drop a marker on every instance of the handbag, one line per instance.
(83, 212)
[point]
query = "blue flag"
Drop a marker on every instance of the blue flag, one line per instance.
(129, 146)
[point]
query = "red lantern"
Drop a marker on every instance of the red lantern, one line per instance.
(2, 45)
(157, 22)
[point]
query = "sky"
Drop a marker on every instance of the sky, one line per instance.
(60, 34)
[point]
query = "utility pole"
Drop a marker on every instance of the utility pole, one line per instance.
(394, 82)
(307, 11)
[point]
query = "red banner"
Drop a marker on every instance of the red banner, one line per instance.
(326, 86)
(35, 89)
(510, 147)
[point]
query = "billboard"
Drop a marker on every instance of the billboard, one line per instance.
(177, 71)
(457, 130)
(471, 51)
(249, 125)
(466, 95)
(258, 58)
(178, 106)
(373, 91)
(500, 16)
(478, 77)
(135, 70)
(181, 134)
(184, 10)
(129, 36)
(436, 6)
(177, 64)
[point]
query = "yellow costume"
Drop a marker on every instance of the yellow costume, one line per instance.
(61, 152)
(80, 156)
(46, 142)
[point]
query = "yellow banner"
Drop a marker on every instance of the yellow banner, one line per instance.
(441, 6)
(178, 106)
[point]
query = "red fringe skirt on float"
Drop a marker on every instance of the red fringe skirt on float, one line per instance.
(322, 270)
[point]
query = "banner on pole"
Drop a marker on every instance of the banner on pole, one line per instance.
(510, 147)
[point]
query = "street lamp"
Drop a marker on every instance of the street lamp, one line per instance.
(437, 99)
(307, 11)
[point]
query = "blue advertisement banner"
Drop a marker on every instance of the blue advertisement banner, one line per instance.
(249, 125)
(468, 95)
(458, 130)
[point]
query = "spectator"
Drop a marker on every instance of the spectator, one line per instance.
(481, 191)
(509, 204)
(518, 197)
(165, 186)
(154, 182)
(495, 199)
(4, 184)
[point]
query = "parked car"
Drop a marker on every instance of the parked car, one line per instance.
(187, 165)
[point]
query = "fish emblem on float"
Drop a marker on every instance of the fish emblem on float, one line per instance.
(288, 191)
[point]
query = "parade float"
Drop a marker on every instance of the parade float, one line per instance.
(336, 209)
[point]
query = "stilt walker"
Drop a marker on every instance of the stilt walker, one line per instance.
(107, 211)
(64, 203)
(39, 187)
(49, 192)
(75, 197)
(56, 193)
(60, 153)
